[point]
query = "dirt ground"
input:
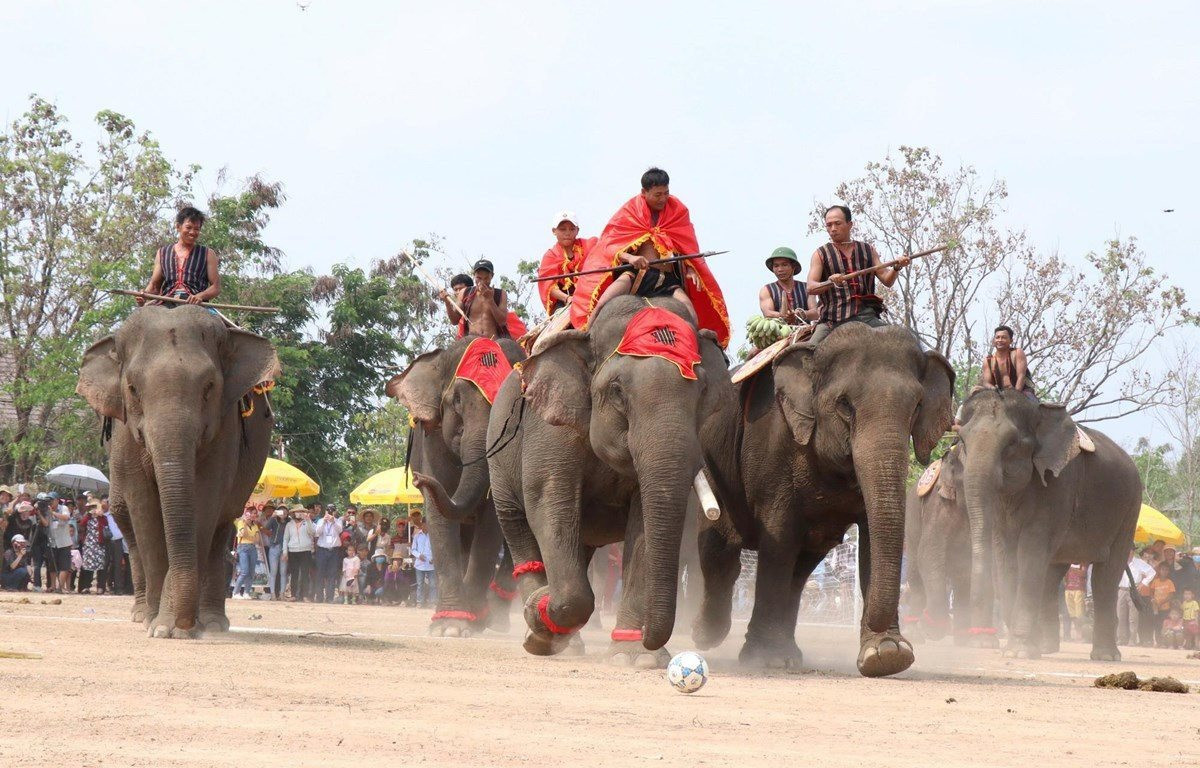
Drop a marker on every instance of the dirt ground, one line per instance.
(271, 693)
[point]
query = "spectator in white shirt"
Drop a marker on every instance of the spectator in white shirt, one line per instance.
(1127, 614)
(422, 555)
(299, 540)
(328, 555)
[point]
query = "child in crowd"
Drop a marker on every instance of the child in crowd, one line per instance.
(1162, 590)
(1173, 627)
(351, 566)
(1076, 596)
(1189, 610)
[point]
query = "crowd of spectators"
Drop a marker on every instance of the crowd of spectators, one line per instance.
(1159, 606)
(61, 544)
(318, 553)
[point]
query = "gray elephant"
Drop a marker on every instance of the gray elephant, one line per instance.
(937, 549)
(824, 444)
(607, 449)
(191, 431)
(442, 392)
(1037, 502)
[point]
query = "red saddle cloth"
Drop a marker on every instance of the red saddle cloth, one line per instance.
(657, 332)
(484, 365)
(629, 228)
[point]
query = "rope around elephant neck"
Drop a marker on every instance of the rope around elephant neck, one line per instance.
(501, 442)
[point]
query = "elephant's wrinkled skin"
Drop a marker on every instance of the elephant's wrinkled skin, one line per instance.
(607, 450)
(937, 546)
(1036, 504)
(452, 418)
(182, 460)
(825, 445)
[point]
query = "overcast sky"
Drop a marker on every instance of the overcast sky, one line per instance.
(478, 121)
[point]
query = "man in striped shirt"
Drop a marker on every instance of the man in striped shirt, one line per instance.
(185, 270)
(785, 299)
(844, 299)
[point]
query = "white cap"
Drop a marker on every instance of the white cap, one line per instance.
(564, 216)
(18, 539)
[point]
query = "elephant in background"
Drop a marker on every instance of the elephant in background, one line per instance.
(185, 454)
(825, 444)
(1037, 503)
(606, 450)
(449, 446)
(937, 549)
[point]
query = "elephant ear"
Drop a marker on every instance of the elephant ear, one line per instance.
(247, 359)
(934, 413)
(557, 381)
(100, 379)
(419, 387)
(795, 390)
(1057, 442)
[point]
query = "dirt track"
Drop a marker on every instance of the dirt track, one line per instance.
(265, 695)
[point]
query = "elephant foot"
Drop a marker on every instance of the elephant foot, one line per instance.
(708, 631)
(982, 637)
(164, 626)
(140, 613)
(214, 621)
(497, 618)
(884, 653)
(542, 643)
(782, 654)
(1021, 649)
(1111, 653)
(453, 624)
(1048, 646)
(631, 653)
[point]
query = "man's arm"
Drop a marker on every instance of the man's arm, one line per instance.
(887, 275)
(816, 274)
(558, 294)
(765, 304)
(452, 314)
(214, 281)
(986, 378)
(156, 280)
(499, 311)
(1022, 366)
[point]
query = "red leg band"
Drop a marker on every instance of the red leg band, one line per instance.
(544, 614)
(627, 635)
(981, 631)
(501, 592)
(530, 566)
(465, 615)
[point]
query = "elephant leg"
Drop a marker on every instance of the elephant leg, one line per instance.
(786, 654)
(720, 564)
(1105, 579)
(557, 611)
(212, 616)
(501, 591)
(960, 582)
(120, 511)
(1032, 560)
(626, 648)
(151, 550)
(486, 543)
(452, 616)
(915, 599)
(935, 618)
(1047, 628)
(879, 653)
(770, 637)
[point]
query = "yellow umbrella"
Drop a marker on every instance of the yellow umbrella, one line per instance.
(391, 486)
(1153, 525)
(279, 479)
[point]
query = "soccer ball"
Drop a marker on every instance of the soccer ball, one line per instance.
(688, 672)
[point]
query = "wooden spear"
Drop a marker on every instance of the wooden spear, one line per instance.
(883, 265)
(433, 284)
(651, 263)
(173, 300)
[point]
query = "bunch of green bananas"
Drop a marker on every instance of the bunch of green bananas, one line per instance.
(765, 331)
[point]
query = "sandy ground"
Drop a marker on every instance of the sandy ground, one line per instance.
(267, 694)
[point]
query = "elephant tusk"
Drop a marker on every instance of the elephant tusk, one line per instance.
(708, 500)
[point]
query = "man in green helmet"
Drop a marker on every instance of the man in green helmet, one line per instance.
(785, 299)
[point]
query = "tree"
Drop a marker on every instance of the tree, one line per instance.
(1181, 419)
(68, 226)
(1085, 329)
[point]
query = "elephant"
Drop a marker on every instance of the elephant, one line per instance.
(606, 450)
(449, 445)
(187, 450)
(937, 549)
(824, 444)
(1037, 502)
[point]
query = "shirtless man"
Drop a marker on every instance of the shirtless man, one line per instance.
(185, 270)
(486, 307)
(846, 299)
(1007, 367)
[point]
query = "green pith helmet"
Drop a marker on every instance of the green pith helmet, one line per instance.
(783, 252)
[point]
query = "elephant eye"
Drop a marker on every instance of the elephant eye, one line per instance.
(208, 388)
(843, 407)
(133, 390)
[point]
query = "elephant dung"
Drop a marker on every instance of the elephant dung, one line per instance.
(1130, 682)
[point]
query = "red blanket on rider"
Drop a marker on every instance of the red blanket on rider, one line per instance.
(484, 365)
(556, 262)
(658, 332)
(674, 234)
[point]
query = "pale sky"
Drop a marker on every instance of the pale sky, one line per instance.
(479, 121)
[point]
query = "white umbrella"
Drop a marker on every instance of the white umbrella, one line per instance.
(79, 477)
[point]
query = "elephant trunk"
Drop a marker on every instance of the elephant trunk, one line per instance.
(174, 459)
(665, 475)
(881, 463)
(976, 489)
(474, 481)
